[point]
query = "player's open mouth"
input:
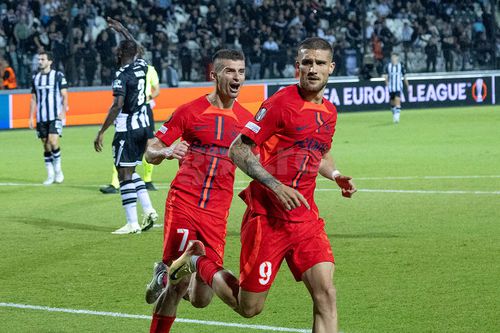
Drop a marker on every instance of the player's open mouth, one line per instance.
(234, 87)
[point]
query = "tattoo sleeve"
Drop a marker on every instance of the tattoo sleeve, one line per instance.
(241, 154)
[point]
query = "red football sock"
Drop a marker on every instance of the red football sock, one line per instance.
(206, 269)
(161, 324)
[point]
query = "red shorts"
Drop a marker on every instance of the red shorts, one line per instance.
(184, 223)
(266, 241)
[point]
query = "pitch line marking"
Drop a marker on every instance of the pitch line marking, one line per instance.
(372, 190)
(135, 316)
(403, 178)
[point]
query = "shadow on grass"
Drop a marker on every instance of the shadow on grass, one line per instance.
(48, 223)
(89, 188)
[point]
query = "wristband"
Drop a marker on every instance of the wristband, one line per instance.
(335, 173)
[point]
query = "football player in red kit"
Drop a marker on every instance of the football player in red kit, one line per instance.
(198, 202)
(293, 130)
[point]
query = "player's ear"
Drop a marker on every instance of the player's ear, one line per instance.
(297, 64)
(213, 76)
(332, 68)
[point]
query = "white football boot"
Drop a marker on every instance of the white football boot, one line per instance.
(129, 228)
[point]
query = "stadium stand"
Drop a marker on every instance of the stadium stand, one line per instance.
(180, 36)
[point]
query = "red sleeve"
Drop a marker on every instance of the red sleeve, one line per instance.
(173, 128)
(266, 123)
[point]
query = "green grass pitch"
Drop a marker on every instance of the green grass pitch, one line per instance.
(422, 260)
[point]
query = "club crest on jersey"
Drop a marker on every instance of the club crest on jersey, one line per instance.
(260, 114)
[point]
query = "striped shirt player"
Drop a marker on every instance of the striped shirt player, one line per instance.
(394, 75)
(49, 100)
(129, 114)
(152, 91)
(47, 87)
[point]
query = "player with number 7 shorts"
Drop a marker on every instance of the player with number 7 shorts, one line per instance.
(293, 130)
(200, 195)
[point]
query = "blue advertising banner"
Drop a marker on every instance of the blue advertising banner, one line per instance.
(421, 93)
(5, 111)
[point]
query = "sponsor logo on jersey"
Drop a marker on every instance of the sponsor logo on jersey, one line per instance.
(253, 127)
(117, 84)
(200, 128)
(139, 74)
(260, 114)
(312, 144)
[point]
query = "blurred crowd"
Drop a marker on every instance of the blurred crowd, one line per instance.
(181, 36)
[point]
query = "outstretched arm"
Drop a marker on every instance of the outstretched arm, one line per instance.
(118, 27)
(328, 170)
(241, 154)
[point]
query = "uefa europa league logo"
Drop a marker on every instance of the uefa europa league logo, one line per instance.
(479, 90)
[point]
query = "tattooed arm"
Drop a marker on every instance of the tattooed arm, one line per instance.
(241, 154)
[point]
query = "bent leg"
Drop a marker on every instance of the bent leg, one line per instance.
(246, 303)
(200, 293)
(319, 282)
(170, 298)
(165, 309)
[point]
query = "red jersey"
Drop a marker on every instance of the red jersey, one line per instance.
(206, 175)
(292, 135)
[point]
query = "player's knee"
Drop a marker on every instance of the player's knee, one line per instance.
(251, 311)
(179, 288)
(201, 302)
(325, 299)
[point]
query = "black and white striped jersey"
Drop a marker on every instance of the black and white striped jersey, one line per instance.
(47, 88)
(130, 82)
(395, 74)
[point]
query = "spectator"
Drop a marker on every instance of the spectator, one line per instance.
(431, 52)
(255, 58)
(22, 31)
(483, 50)
(8, 75)
(89, 56)
(271, 49)
(186, 59)
(105, 44)
(447, 45)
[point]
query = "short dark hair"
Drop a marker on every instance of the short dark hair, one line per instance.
(128, 48)
(49, 54)
(228, 54)
(395, 54)
(315, 43)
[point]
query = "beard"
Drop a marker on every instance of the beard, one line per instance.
(314, 88)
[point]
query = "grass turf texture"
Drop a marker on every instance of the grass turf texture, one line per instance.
(406, 262)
